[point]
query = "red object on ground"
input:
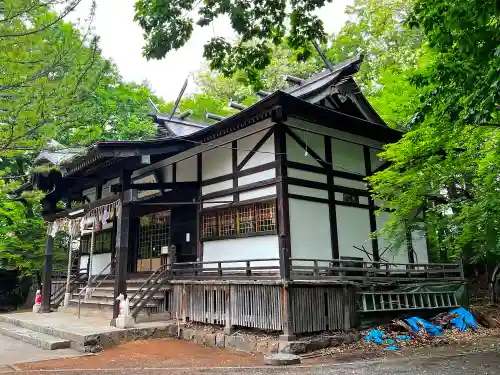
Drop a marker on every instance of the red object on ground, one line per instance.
(38, 299)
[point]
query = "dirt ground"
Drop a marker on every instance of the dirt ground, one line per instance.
(152, 353)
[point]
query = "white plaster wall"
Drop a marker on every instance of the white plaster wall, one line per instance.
(89, 193)
(99, 262)
(310, 230)
(348, 157)
(217, 201)
(261, 247)
(353, 227)
(295, 152)
(375, 161)
(106, 188)
(168, 172)
(363, 200)
(308, 192)
(258, 193)
(256, 177)
(228, 184)
(145, 180)
(349, 183)
(393, 255)
(217, 162)
(264, 155)
(420, 247)
(305, 175)
(186, 170)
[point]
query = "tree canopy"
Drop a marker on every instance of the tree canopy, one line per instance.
(259, 25)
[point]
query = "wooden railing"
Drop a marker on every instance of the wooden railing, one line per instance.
(316, 269)
(354, 270)
(253, 269)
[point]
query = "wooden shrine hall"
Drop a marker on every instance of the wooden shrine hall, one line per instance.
(261, 219)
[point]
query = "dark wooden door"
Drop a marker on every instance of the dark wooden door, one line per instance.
(183, 229)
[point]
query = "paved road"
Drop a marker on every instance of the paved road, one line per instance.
(471, 364)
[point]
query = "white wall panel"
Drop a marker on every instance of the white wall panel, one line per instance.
(353, 227)
(89, 193)
(308, 192)
(186, 170)
(256, 177)
(420, 247)
(393, 254)
(310, 230)
(217, 201)
(265, 153)
(168, 173)
(258, 193)
(217, 162)
(348, 157)
(375, 161)
(228, 184)
(295, 152)
(99, 262)
(305, 175)
(146, 180)
(360, 185)
(260, 247)
(363, 200)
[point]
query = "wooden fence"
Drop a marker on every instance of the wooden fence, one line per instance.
(259, 305)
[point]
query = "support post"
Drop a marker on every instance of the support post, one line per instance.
(229, 328)
(371, 205)
(287, 315)
(47, 271)
(283, 201)
(67, 294)
(88, 289)
(122, 245)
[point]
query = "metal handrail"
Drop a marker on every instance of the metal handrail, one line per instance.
(61, 291)
(91, 282)
(139, 304)
(146, 282)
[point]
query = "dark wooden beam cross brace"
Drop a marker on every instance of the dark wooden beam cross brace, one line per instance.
(256, 148)
(311, 152)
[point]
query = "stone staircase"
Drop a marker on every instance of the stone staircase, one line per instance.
(102, 300)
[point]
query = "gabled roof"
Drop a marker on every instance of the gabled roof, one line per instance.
(56, 154)
(174, 126)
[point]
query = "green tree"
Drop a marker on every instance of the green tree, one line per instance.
(448, 162)
(258, 25)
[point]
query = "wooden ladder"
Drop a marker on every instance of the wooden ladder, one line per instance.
(393, 301)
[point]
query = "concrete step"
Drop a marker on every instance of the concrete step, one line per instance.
(40, 340)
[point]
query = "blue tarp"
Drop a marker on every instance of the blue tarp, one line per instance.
(416, 324)
(463, 319)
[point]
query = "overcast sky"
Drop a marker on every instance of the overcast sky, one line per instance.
(122, 41)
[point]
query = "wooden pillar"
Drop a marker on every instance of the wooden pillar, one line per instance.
(371, 205)
(122, 244)
(47, 271)
(283, 211)
(199, 223)
(332, 209)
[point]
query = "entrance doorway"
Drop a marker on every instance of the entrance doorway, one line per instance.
(154, 233)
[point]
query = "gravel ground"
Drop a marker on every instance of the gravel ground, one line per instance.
(475, 363)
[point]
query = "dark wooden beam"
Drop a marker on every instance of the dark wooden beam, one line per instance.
(323, 186)
(307, 198)
(98, 191)
(47, 273)
(199, 223)
(256, 148)
(371, 204)
(234, 157)
(160, 178)
(156, 186)
(122, 243)
(264, 199)
(86, 207)
(332, 211)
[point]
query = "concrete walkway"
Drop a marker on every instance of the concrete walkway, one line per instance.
(14, 351)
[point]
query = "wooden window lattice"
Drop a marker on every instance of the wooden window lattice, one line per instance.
(244, 220)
